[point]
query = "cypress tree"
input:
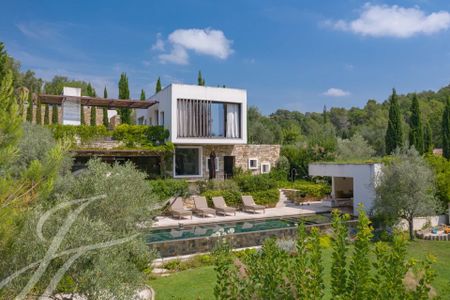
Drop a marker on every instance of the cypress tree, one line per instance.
(82, 121)
(54, 114)
(416, 128)
(93, 120)
(47, 115)
(105, 110)
(39, 113)
(200, 79)
(394, 133)
(446, 130)
(428, 138)
(124, 93)
(325, 115)
(93, 114)
(158, 85)
(143, 95)
(30, 110)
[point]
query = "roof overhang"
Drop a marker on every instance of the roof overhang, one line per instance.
(94, 101)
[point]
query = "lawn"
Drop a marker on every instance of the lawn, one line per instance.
(199, 283)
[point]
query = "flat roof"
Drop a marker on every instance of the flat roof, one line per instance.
(94, 101)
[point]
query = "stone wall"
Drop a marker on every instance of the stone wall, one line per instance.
(242, 153)
(238, 240)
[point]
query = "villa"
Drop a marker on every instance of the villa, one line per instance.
(207, 126)
(207, 123)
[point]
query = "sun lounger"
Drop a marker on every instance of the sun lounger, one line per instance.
(221, 207)
(249, 205)
(201, 207)
(177, 209)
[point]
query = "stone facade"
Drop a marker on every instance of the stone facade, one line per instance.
(242, 154)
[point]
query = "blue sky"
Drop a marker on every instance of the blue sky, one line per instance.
(298, 55)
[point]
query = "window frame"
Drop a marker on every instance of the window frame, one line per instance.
(249, 163)
(265, 164)
(200, 155)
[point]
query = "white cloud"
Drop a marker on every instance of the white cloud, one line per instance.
(201, 41)
(394, 21)
(335, 92)
(178, 55)
(159, 44)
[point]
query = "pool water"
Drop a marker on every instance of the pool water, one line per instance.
(211, 230)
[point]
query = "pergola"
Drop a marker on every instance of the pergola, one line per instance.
(93, 101)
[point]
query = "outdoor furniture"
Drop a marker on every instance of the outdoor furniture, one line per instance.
(446, 229)
(221, 207)
(250, 205)
(177, 208)
(201, 207)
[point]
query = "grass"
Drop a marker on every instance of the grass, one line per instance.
(199, 283)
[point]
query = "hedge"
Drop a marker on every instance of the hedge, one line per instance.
(86, 133)
(268, 198)
(166, 188)
(255, 183)
(232, 198)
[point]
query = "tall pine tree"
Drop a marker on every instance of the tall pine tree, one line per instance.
(416, 127)
(143, 95)
(428, 139)
(47, 115)
(54, 114)
(446, 130)
(200, 79)
(394, 133)
(105, 110)
(158, 85)
(124, 93)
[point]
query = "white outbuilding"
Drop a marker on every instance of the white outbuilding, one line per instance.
(352, 184)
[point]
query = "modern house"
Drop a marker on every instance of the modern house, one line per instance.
(352, 184)
(207, 123)
(207, 126)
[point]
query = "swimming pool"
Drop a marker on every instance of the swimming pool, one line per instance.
(215, 230)
(202, 238)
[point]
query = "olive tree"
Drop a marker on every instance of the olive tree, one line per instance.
(103, 254)
(354, 148)
(405, 189)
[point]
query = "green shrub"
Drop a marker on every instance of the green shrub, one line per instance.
(267, 197)
(254, 183)
(197, 261)
(166, 188)
(229, 185)
(281, 170)
(140, 135)
(306, 188)
(84, 132)
(232, 198)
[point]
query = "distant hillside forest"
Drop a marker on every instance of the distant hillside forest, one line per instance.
(323, 129)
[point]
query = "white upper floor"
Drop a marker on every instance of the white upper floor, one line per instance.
(198, 114)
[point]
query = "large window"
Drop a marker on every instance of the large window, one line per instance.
(202, 118)
(187, 161)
